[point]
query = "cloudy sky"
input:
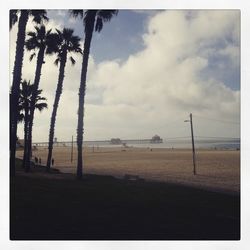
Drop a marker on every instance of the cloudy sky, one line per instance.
(147, 71)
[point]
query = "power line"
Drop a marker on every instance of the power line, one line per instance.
(205, 137)
(218, 120)
(217, 137)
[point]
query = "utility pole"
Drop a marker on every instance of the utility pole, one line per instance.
(193, 148)
(72, 149)
(192, 134)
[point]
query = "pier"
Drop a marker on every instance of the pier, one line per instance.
(113, 141)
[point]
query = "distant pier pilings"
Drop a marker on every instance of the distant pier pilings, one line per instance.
(98, 142)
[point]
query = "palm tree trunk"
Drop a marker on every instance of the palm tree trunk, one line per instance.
(88, 37)
(15, 91)
(26, 119)
(32, 104)
(55, 106)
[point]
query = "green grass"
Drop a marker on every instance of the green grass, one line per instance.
(102, 207)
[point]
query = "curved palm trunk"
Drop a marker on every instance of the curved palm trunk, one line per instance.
(88, 37)
(15, 91)
(32, 105)
(55, 106)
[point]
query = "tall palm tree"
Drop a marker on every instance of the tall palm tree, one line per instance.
(65, 42)
(37, 16)
(40, 41)
(25, 107)
(92, 20)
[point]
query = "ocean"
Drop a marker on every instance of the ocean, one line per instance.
(233, 144)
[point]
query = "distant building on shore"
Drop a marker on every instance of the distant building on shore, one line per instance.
(156, 139)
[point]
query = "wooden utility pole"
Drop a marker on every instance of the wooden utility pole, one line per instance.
(72, 149)
(192, 134)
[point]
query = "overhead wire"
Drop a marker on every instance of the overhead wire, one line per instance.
(217, 137)
(217, 120)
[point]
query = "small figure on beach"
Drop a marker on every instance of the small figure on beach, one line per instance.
(52, 161)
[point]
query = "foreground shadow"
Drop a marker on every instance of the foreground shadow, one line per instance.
(102, 207)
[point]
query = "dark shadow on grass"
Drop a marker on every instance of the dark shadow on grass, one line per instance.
(103, 207)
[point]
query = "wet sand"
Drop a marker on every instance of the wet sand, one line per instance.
(217, 170)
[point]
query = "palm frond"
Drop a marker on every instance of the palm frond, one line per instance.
(48, 32)
(41, 106)
(13, 18)
(74, 44)
(101, 17)
(67, 33)
(20, 117)
(63, 41)
(37, 28)
(32, 44)
(39, 91)
(106, 15)
(79, 50)
(73, 61)
(32, 56)
(39, 16)
(41, 32)
(40, 38)
(56, 62)
(52, 42)
(31, 34)
(39, 98)
(89, 17)
(32, 41)
(98, 24)
(76, 13)
(59, 32)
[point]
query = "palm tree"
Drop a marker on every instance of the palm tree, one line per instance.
(37, 16)
(92, 19)
(65, 42)
(20, 118)
(25, 107)
(39, 40)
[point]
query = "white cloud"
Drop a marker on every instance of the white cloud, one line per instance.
(160, 84)
(232, 53)
(61, 13)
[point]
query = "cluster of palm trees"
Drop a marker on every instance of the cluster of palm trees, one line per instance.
(25, 108)
(28, 98)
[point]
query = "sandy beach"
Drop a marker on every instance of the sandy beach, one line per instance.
(171, 204)
(216, 169)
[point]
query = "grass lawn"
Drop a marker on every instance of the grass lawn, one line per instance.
(102, 207)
